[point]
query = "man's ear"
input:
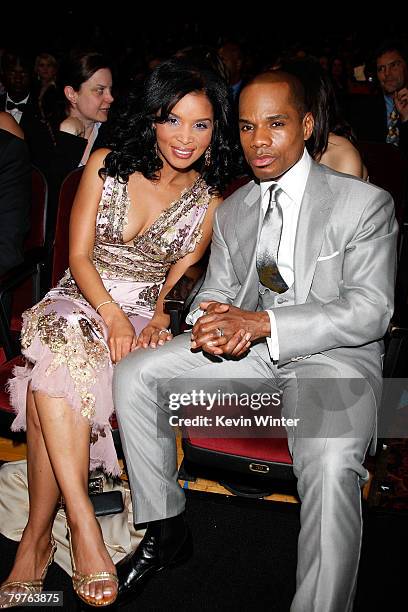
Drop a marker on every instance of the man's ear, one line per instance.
(308, 125)
(70, 94)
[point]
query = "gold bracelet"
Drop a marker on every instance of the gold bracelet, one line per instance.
(103, 304)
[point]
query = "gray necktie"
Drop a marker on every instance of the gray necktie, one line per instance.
(268, 245)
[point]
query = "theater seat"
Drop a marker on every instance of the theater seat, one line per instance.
(20, 286)
(30, 273)
(388, 169)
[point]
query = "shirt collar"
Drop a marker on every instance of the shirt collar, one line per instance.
(293, 182)
(389, 103)
(8, 99)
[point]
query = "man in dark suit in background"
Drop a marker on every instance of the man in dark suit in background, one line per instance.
(17, 68)
(15, 197)
(384, 117)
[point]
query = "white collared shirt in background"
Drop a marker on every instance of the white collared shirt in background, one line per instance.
(17, 114)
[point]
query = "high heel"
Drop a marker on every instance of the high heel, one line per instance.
(29, 587)
(80, 580)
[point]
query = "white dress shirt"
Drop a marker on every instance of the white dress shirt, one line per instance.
(293, 184)
(17, 114)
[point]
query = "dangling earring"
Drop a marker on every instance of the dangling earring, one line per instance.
(207, 157)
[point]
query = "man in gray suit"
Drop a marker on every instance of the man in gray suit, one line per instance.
(299, 288)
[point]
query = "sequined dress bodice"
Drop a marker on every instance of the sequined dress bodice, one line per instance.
(148, 257)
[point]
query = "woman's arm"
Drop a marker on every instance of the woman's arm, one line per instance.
(150, 334)
(122, 337)
(8, 123)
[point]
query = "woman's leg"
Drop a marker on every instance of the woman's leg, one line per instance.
(34, 548)
(66, 436)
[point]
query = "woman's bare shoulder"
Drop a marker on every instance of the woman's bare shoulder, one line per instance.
(342, 155)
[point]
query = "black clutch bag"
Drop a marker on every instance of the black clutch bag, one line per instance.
(108, 502)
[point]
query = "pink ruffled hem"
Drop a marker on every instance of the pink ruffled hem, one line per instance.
(59, 383)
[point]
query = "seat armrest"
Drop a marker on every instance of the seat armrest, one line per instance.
(12, 278)
(396, 352)
(9, 281)
(15, 276)
(175, 302)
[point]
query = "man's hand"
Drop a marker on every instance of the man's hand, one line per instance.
(401, 103)
(239, 328)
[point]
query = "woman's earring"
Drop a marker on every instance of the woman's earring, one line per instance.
(207, 157)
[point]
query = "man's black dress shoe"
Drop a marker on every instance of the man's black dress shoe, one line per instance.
(166, 543)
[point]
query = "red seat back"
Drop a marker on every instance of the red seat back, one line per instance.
(38, 214)
(261, 449)
(23, 295)
(388, 169)
(61, 244)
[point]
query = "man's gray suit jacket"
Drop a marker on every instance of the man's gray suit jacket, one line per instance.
(344, 269)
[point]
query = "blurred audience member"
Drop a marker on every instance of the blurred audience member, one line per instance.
(392, 74)
(332, 141)
(324, 62)
(22, 106)
(45, 70)
(231, 55)
(341, 81)
(71, 132)
(204, 56)
(85, 95)
(17, 69)
(86, 79)
(383, 117)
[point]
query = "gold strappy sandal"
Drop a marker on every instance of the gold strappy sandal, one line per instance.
(80, 580)
(9, 593)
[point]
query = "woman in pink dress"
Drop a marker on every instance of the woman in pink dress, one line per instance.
(142, 215)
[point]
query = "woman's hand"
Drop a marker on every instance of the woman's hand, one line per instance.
(153, 335)
(121, 336)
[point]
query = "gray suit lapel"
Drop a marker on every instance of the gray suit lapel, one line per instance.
(249, 216)
(315, 211)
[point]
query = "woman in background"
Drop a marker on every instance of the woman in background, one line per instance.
(84, 89)
(86, 80)
(332, 142)
(45, 90)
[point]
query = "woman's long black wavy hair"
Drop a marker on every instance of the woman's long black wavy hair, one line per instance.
(133, 136)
